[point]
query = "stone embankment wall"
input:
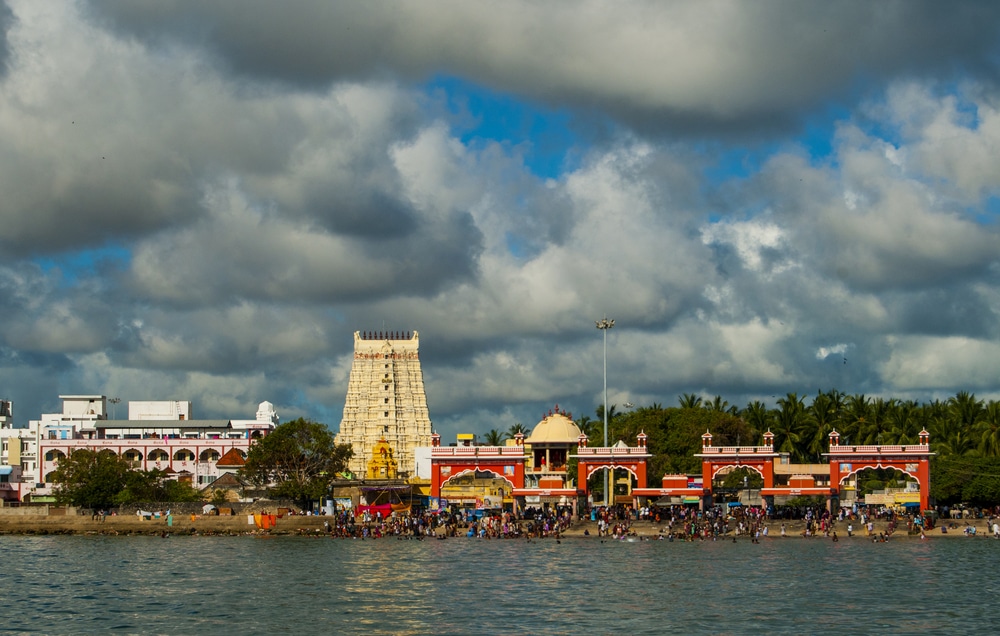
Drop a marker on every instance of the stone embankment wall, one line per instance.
(37, 511)
(196, 508)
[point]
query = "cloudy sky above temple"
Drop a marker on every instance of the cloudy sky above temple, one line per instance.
(204, 200)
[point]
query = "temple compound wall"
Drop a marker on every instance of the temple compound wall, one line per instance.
(386, 402)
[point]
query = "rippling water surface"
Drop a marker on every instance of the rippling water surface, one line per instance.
(458, 586)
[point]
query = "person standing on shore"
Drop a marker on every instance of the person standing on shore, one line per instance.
(850, 529)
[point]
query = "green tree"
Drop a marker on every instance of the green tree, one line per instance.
(790, 426)
(298, 461)
(518, 428)
(90, 479)
(988, 430)
(495, 437)
(689, 401)
(757, 417)
(735, 477)
(153, 486)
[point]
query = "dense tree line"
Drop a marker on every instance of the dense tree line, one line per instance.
(964, 432)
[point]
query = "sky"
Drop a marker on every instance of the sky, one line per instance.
(204, 200)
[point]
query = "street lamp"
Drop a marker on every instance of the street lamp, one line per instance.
(604, 324)
(114, 402)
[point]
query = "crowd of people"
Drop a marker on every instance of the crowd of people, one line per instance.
(674, 522)
(532, 523)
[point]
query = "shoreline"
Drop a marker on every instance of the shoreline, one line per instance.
(30, 525)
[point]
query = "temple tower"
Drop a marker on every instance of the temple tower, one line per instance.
(385, 400)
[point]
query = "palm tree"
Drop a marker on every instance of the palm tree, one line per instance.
(788, 425)
(720, 406)
(757, 417)
(958, 442)
(873, 428)
(689, 401)
(612, 412)
(964, 410)
(988, 430)
(854, 418)
(590, 427)
(518, 428)
(903, 423)
(821, 418)
(495, 437)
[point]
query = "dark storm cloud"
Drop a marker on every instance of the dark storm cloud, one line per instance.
(959, 310)
(6, 19)
(677, 66)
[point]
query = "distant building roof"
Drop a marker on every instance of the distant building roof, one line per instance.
(233, 457)
(195, 424)
(226, 480)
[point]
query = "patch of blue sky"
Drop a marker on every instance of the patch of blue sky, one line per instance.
(75, 266)
(814, 137)
(544, 136)
(518, 247)
(989, 213)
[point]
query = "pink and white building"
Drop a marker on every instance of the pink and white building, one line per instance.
(157, 435)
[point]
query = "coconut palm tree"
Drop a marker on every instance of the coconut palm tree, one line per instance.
(821, 418)
(518, 428)
(988, 430)
(720, 406)
(854, 417)
(964, 410)
(873, 429)
(495, 437)
(903, 425)
(689, 401)
(789, 420)
(758, 418)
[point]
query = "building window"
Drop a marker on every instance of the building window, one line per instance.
(386, 400)
(385, 414)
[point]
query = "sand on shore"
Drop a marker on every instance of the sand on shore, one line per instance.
(300, 524)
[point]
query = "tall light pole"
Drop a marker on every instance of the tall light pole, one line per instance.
(604, 324)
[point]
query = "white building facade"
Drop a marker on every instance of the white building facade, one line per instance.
(158, 435)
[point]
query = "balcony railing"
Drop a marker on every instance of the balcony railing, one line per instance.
(474, 451)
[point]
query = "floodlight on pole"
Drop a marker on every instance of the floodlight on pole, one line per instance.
(604, 324)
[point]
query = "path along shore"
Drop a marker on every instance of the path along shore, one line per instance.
(208, 525)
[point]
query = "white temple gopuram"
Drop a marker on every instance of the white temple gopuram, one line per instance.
(385, 400)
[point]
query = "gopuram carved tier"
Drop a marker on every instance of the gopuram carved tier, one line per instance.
(385, 400)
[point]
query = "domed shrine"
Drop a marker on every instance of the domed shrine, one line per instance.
(547, 453)
(550, 443)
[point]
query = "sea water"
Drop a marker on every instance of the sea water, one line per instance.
(185, 585)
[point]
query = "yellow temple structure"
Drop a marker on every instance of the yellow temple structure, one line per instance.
(382, 465)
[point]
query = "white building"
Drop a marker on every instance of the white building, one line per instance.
(17, 454)
(158, 435)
